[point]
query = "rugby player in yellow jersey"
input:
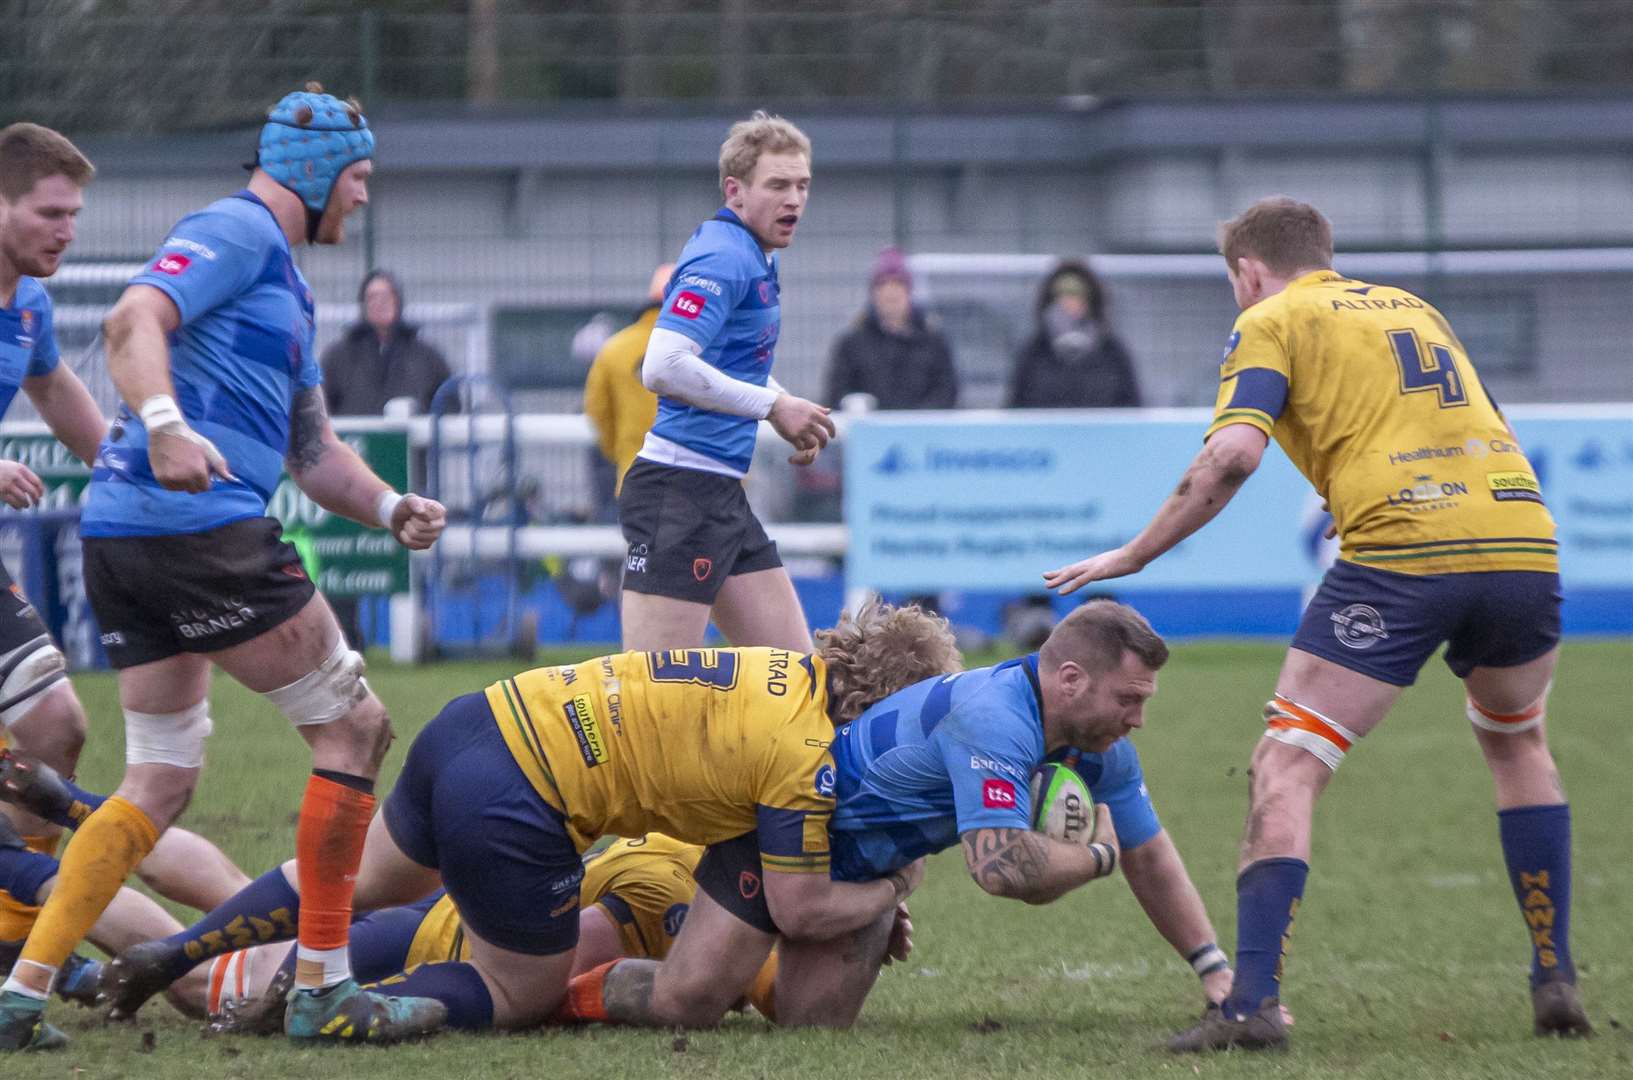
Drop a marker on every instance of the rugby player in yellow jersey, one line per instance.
(1444, 539)
(504, 790)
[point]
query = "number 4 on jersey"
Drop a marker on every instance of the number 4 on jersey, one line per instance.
(1437, 371)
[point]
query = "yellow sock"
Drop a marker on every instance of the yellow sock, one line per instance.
(16, 919)
(100, 856)
(763, 994)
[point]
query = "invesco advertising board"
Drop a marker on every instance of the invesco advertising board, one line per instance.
(989, 500)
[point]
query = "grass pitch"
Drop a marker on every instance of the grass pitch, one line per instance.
(1408, 961)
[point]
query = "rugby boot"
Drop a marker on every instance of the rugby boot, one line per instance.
(346, 1012)
(23, 1026)
(37, 788)
(80, 980)
(1558, 1011)
(259, 1015)
(1262, 1030)
(135, 975)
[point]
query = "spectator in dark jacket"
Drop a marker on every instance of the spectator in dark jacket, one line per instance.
(1073, 360)
(381, 357)
(892, 351)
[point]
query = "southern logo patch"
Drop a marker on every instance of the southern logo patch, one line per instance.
(1514, 487)
(586, 729)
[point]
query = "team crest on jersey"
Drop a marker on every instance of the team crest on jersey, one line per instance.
(1231, 342)
(825, 781)
(26, 338)
(1358, 626)
(702, 568)
(674, 918)
(765, 291)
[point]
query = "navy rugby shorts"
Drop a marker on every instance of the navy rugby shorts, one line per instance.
(1386, 625)
(687, 531)
(463, 806)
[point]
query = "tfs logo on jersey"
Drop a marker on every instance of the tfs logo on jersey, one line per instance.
(688, 305)
(998, 794)
(172, 264)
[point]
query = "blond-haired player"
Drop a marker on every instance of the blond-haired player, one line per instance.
(695, 548)
(1444, 539)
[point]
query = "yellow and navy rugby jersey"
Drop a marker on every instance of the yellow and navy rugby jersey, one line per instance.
(646, 886)
(700, 744)
(1374, 399)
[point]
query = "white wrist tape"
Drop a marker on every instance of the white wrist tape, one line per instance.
(161, 413)
(385, 506)
(1208, 959)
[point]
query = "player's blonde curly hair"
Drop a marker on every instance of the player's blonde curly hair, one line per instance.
(880, 650)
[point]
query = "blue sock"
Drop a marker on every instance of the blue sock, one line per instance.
(457, 986)
(1267, 898)
(83, 806)
(1537, 849)
(267, 909)
(22, 872)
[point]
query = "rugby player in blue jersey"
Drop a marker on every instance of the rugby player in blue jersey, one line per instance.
(211, 350)
(696, 549)
(945, 761)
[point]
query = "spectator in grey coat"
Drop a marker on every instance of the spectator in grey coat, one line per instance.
(381, 357)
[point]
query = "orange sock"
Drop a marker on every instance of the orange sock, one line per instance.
(99, 858)
(763, 994)
(334, 822)
(584, 1003)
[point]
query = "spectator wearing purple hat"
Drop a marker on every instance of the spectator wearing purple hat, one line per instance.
(892, 351)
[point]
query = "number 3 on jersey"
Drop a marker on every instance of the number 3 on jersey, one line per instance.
(1437, 371)
(701, 667)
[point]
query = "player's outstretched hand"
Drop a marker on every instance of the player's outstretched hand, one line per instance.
(1108, 564)
(901, 936)
(416, 522)
(184, 460)
(805, 424)
(19, 487)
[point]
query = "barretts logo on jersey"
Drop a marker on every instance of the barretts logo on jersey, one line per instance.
(172, 264)
(688, 305)
(998, 794)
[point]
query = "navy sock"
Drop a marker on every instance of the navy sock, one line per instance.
(1267, 899)
(457, 986)
(1537, 849)
(22, 872)
(267, 909)
(83, 806)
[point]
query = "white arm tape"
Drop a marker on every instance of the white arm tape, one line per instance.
(385, 506)
(673, 368)
(161, 413)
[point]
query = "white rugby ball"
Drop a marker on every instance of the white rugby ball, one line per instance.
(1062, 807)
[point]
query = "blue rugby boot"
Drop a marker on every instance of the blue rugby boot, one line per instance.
(346, 1012)
(79, 980)
(23, 1026)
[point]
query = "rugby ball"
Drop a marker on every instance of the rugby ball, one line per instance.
(1062, 807)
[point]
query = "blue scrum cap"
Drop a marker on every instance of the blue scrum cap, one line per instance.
(309, 139)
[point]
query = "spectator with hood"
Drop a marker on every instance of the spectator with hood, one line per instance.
(380, 357)
(1073, 360)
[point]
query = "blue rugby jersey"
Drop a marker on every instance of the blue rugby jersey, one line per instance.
(243, 349)
(724, 296)
(956, 753)
(28, 339)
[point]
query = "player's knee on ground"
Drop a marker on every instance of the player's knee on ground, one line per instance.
(692, 997)
(1299, 726)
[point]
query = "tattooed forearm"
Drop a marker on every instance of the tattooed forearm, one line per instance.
(308, 421)
(1006, 862)
(627, 991)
